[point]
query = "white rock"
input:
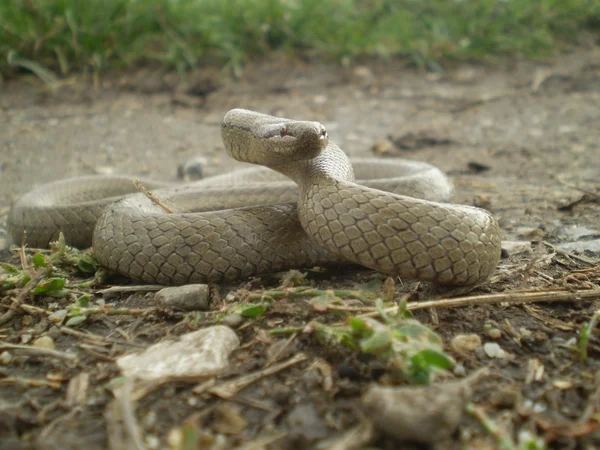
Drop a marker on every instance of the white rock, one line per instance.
(200, 353)
(493, 350)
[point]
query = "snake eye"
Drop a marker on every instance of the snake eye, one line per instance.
(283, 132)
(323, 132)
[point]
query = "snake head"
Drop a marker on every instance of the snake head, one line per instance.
(271, 141)
(296, 140)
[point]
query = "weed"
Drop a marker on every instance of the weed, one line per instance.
(95, 35)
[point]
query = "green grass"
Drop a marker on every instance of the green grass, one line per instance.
(64, 36)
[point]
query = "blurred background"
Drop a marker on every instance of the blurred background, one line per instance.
(53, 38)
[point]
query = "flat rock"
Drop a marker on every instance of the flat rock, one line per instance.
(427, 414)
(510, 248)
(573, 233)
(200, 353)
(581, 246)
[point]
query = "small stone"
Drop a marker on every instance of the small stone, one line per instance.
(494, 333)
(465, 343)
(5, 357)
(59, 316)
(44, 342)
(191, 297)
(192, 169)
(26, 338)
(306, 427)
(200, 353)
(421, 414)
(493, 350)
(232, 320)
(459, 370)
(510, 248)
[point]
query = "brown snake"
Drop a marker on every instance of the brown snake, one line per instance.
(391, 222)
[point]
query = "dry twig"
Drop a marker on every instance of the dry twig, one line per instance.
(153, 198)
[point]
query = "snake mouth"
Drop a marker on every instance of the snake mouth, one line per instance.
(324, 135)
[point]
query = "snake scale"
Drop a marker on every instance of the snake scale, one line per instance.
(249, 222)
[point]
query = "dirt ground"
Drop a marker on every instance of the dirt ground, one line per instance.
(521, 139)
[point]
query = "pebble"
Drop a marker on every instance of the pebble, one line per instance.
(305, 426)
(493, 350)
(420, 414)
(59, 316)
(44, 342)
(459, 370)
(5, 357)
(200, 353)
(510, 248)
(232, 320)
(191, 297)
(494, 333)
(465, 343)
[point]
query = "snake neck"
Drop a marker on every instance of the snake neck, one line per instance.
(331, 165)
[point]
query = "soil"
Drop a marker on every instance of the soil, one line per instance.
(519, 138)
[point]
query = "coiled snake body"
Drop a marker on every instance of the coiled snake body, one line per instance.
(391, 222)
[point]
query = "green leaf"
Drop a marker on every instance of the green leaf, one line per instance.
(253, 309)
(59, 293)
(51, 284)
(432, 358)
(419, 332)
(83, 301)
(379, 342)
(39, 260)
(358, 325)
(10, 268)
(417, 375)
(77, 320)
(88, 264)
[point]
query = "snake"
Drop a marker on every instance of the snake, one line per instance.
(298, 205)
